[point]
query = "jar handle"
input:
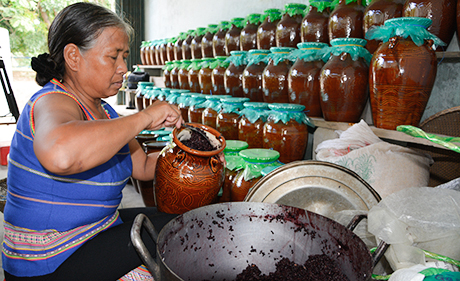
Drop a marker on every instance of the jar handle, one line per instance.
(393, 42)
(214, 163)
(180, 157)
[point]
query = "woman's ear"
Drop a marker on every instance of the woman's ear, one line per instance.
(72, 56)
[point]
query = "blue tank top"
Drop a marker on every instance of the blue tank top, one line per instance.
(48, 216)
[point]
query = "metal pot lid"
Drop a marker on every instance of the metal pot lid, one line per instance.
(320, 187)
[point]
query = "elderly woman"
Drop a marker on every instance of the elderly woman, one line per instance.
(72, 155)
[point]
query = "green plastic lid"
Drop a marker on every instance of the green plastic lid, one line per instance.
(358, 42)
(295, 9)
(238, 53)
(224, 24)
(286, 107)
(217, 97)
(197, 99)
(419, 21)
(235, 146)
(256, 105)
(257, 52)
(281, 50)
(221, 58)
(180, 91)
(267, 170)
(234, 100)
(238, 22)
(312, 45)
(253, 18)
(200, 31)
(259, 155)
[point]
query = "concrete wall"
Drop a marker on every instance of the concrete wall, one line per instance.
(166, 18)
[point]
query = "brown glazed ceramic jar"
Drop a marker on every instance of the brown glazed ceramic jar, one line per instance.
(217, 76)
(186, 45)
(252, 75)
(212, 107)
(206, 42)
(218, 41)
(151, 53)
(204, 75)
(167, 73)
(376, 13)
(174, 75)
(251, 124)
(274, 78)
(346, 20)
(233, 76)
(184, 104)
(183, 74)
(178, 46)
(288, 28)
(186, 178)
(303, 77)
(443, 14)
(248, 35)
(193, 81)
(315, 23)
(143, 52)
(229, 116)
(195, 46)
(234, 164)
(402, 74)
(266, 33)
(286, 131)
(196, 108)
(162, 52)
(232, 37)
(170, 49)
(344, 80)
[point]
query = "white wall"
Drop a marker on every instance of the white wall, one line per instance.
(166, 18)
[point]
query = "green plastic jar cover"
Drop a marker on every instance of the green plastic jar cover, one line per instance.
(156, 91)
(254, 111)
(233, 104)
(238, 22)
(253, 18)
(256, 159)
(213, 102)
(168, 66)
(182, 35)
(195, 100)
(195, 64)
(172, 97)
(294, 9)
(185, 64)
(191, 32)
(286, 111)
(321, 5)
(278, 54)
(308, 51)
(352, 46)
(220, 61)
(200, 31)
(212, 28)
(164, 93)
(224, 25)
(231, 154)
(413, 27)
(185, 98)
(256, 56)
(148, 92)
(207, 62)
(336, 2)
(237, 58)
(273, 14)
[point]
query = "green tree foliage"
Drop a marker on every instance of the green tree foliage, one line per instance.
(28, 21)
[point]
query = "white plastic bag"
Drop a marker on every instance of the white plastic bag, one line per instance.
(386, 167)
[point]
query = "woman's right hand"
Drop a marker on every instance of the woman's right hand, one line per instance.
(162, 114)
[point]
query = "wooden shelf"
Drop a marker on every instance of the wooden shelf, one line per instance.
(381, 133)
(448, 56)
(153, 70)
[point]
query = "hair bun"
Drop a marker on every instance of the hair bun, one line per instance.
(45, 68)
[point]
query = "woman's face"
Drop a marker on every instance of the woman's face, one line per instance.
(103, 66)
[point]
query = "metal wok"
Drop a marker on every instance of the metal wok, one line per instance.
(216, 242)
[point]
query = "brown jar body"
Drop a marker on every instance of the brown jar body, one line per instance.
(314, 26)
(248, 37)
(227, 125)
(232, 40)
(346, 21)
(193, 81)
(195, 114)
(174, 78)
(443, 13)
(289, 139)
(241, 187)
(218, 43)
(344, 101)
(149, 55)
(195, 47)
(288, 31)
(209, 117)
(204, 78)
(183, 79)
(402, 76)
(178, 49)
(252, 82)
(227, 186)
(169, 51)
(233, 80)
(304, 86)
(376, 14)
(266, 34)
(167, 78)
(206, 45)
(184, 111)
(252, 133)
(143, 53)
(275, 83)
(186, 48)
(217, 77)
(140, 101)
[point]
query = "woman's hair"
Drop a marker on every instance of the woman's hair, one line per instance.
(80, 24)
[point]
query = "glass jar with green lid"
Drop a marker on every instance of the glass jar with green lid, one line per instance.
(252, 74)
(315, 23)
(170, 49)
(173, 96)
(183, 74)
(212, 107)
(303, 78)
(186, 45)
(184, 104)
(204, 75)
(206, 41)
(154, 93)
(196, 107)
(274, 78)
(174, 75)
(143, 52)
(288, 28)
(178, 46)
(233, 77)
(217, 76)
(193, 70)
(251, 124)
(163, 95)
(266, 33)
(234, 164)
(218, 41)
(163, 53)
(286, 131)
(150, 55)
(148, 92)
(255, 160)
(195, 46)
(232, 37)
(248, 35)
(229, 116)
(167, 73)
(140, 92)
